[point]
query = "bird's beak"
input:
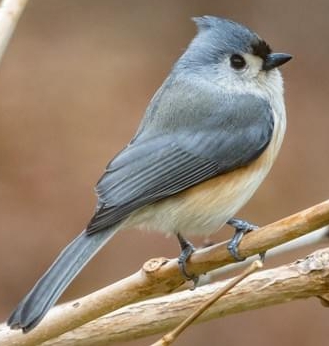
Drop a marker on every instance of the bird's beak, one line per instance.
(275, 60)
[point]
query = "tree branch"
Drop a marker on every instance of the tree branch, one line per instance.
(170, 337)
(302, 279)
(318, 238)
(161, 276)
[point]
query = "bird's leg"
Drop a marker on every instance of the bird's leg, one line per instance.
(187, 250)
(241, 228)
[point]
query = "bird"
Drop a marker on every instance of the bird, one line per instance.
(208, 138)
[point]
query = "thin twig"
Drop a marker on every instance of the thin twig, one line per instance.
(170, 337)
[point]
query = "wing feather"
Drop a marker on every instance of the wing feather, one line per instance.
(168, 173)
(156, 165)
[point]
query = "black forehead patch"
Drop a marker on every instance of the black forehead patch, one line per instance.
(261, 49)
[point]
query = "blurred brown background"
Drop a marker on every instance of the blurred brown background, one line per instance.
(74, 84)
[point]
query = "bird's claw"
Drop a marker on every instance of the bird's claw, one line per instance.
(241, 228)
(187, 250)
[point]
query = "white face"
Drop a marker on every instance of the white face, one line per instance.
(244, 74)
(252, 69)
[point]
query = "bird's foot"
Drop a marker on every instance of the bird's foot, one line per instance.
(187, 250)
(241, 228)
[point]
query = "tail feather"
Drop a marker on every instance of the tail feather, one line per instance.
(49, 288)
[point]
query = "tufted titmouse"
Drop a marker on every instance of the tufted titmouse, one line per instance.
(208, 139)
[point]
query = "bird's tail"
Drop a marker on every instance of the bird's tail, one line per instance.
(48, 289)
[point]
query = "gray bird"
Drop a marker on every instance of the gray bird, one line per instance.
(208, 139)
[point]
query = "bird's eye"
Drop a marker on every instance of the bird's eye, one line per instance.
(237, 62)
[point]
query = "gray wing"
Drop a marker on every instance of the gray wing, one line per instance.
(154, 165)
